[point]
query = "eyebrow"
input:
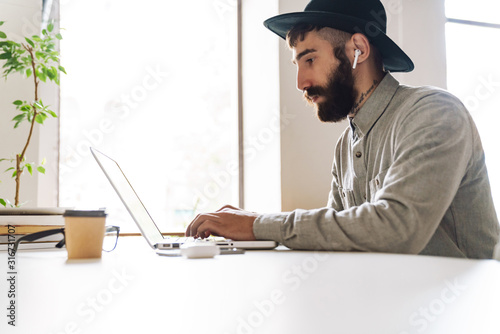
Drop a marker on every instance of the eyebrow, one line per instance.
(302, 54)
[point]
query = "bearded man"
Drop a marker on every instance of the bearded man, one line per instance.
(409, 173)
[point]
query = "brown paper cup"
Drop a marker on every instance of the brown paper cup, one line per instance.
(84, 233)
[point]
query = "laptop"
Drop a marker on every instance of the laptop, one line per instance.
(142, 218)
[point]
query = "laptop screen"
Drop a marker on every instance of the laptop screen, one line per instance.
(129, 197)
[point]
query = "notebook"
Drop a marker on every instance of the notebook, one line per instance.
(145, 222)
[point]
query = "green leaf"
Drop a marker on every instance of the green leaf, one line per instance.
(19, 118)
(44, 32)
(2, 22)
(40, 169)
(59, 36)
(29, 71)
(38, 105)
(30, 42)
(5, 55)
(53, 114)
(51, 74)
(42, 76)
(11, 168)
(2, 201)
(62, 69)
(40, 118)
(2, 35)
(30, 168)
(49, 47)
(43, 161)
(55, 73)
(14, 174)
(17, 102)
(26, 61)
(50, 27)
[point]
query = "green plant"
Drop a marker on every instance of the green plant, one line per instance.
(38, 58)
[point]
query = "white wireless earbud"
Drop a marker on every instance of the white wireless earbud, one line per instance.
(357, 53)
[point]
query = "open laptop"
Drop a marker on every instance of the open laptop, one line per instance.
(140, 215)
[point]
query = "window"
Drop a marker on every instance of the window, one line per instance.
(472, 35)
(154, 85)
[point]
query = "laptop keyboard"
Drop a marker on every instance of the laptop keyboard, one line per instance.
(173, 242)
(192, 239)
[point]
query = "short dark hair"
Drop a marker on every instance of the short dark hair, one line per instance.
(334, 36)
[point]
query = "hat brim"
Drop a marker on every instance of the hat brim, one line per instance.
(395, 59)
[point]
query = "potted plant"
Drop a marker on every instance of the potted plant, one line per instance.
(36, 59)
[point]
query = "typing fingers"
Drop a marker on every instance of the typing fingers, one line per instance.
(207, 219)
(228, 223)
(206, 228)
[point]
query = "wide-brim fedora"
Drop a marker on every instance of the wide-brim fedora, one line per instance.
(353, 16)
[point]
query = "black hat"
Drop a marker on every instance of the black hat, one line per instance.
(353, 16)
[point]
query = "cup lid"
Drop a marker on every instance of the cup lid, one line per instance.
(85, 213)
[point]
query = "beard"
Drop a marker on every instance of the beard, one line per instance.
(339, 93)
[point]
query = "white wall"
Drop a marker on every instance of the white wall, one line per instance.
(418, 27)
(23, 18)
(307, 144)
(263, 116)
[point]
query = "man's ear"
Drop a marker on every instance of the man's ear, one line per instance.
(358, 42)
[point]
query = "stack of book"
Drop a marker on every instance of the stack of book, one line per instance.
(17, 222)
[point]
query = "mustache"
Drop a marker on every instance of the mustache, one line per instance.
(314, 91)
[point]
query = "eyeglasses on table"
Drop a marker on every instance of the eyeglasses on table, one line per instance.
(109, 243)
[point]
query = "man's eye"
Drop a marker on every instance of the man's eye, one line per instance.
(309, 61)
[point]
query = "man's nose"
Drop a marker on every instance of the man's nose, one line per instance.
(303, 82)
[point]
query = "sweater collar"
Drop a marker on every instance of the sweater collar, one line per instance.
(374, 107)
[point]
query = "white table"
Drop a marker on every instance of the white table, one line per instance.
(132, 290)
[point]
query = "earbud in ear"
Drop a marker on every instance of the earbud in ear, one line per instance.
(357, 53)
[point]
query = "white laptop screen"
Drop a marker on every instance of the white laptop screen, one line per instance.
(129, 198)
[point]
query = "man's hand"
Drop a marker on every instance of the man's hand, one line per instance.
(228, 222)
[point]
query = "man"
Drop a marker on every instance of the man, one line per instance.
(408, 173)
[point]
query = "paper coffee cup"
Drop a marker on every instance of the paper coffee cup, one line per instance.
(84, 233)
